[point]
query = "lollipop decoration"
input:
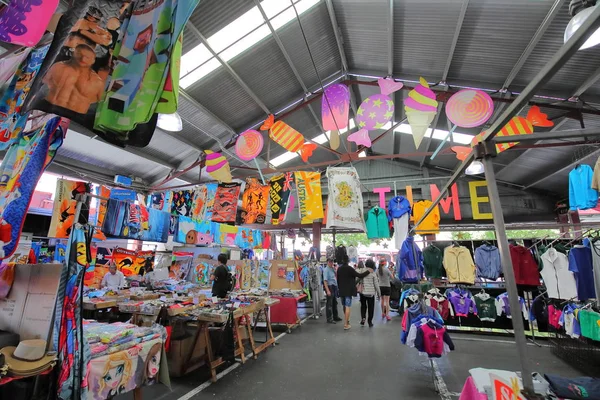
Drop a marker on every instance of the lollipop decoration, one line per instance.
(248, 146)
(288, 138)
(467, 108)
(374, 112)
(335, 108)
(421, 109)
(217, 166)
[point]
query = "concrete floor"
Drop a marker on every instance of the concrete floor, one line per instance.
(322, 361)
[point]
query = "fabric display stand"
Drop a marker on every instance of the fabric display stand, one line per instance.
(285, 280)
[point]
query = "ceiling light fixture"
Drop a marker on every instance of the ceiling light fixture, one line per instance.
(475, 168)
(579, 17)
(170, 122)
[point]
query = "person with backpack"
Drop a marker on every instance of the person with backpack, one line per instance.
(221, 278)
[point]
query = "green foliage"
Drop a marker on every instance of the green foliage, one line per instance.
(347, 239)
(518, 234)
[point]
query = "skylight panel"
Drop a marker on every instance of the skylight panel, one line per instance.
(245, 43)
(199, 73)
(236, 30)
(285, 157)
(194, 58)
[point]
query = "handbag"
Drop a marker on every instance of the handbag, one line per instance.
(360, 287)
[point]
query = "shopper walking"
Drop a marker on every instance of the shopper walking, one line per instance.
(367, 288)
(385, 277)
(346, 277)
(331, 291)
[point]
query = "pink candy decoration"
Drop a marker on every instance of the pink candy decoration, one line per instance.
(335, 107)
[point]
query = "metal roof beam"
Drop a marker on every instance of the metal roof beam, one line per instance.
(459, 23)
(554, 10)
(566, 167)
(338, 35)
(390, 27)
(587, 84)
(226, 65)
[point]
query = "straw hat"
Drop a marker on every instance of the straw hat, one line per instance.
(28, 358)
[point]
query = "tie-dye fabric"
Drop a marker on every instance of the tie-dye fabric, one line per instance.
(345, 202)
(12, 117)
(254, 202)
(226, 198)
(23, 22)
(20, 171)
(309, 196)
(136, 83)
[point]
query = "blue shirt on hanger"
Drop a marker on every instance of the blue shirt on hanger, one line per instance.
(581, 194)
(580, 263)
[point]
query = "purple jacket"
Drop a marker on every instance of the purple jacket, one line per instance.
(463, 305)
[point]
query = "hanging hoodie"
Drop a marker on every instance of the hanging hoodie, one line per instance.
(524, 265)
(410, 260)
(459, 265)
(397, 207)
(377, 224)
(486, 307)
(503, 306)
(432, 260)
(487, 260)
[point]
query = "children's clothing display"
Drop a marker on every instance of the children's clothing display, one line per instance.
(524, 265)
(399, 214)
(432, 261)
(569, 322)
(580, 263)
(431, 224)
(459, 265)
(559, 281)
(377, 224)
(589, 322)
(581, 194)
(434, 298)
(410, 262)
(463, 302)
(431, 338)
(486, 307)
(487, 261)
(503, 306)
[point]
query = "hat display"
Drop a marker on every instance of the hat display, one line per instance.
(28, 358)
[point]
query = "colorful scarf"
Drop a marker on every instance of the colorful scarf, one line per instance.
(65, 204)
(137, 81)
(226, 199)
(20, 171)
(254, 202)
(13, 119)
(23, 22)
(182, 203)
(345, 202)
(309, 196)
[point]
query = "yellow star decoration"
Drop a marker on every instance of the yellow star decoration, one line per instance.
(367, 100)
(377, 103)
(360, 111)
(361, 124)
(378, 125)
(389, 114)
(372, 115)
(390, 103)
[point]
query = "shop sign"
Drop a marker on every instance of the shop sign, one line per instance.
(123, 195)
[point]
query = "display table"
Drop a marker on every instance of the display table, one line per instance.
(286, 312)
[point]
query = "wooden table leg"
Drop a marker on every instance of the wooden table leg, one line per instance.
(236, 327)
(137, 393)
(251, 337)
(209, 353)
(268, 320)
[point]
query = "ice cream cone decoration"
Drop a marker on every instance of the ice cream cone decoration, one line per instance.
(217, 166)
(288, 138)
(421, 109)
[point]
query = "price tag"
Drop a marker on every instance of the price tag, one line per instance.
(236, 304)
(196, 300)
(215, 299)
(163, 298)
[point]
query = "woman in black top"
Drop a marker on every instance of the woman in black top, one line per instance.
(220, 278)
(346, 277)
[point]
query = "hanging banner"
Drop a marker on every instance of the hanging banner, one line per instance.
(226, 198)
(65, 204)
(254, 202)
(309, 196)
(345, 202)
(276, 197)
(199, 202)
(182, 202)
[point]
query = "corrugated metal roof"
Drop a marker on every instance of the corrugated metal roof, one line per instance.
(493, 37)
(212, 15)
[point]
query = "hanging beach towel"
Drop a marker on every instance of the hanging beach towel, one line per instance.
(23, 22)
(345, 202)
(226, 199)
(65, 204)
(254, 202)
(309, 196)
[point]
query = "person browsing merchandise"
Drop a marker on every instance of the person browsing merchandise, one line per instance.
(331, 291)
(369, 287)
(113, 279)
(219, 278)
(346, 277)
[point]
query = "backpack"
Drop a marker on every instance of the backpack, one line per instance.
(231, 282)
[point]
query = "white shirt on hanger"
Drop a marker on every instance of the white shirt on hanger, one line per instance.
(559, 281)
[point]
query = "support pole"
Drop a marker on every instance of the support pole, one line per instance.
(509, 273)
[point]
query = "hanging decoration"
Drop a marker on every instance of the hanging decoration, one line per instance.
(254, 202)
(420, 108)
(345, 202)
(335, 109)
(374, 112)
(288, 138)
(217, 166)
(226, 200)
(516, 126)
(248, 147)
(309, 196)
(199, 202)
(169, 99)
(182, 202)
(65, 203)
(23, 22)
(276, 197)
(467, 108)
(20, 171)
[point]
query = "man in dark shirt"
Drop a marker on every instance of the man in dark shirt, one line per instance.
(220, 278)
(346, 279)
